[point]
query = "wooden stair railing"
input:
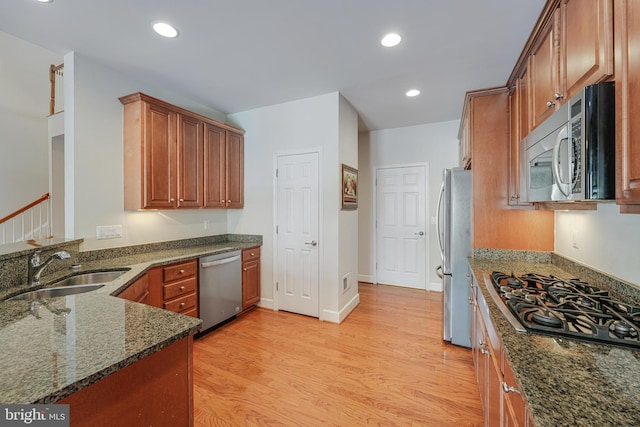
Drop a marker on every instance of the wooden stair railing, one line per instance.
(33, 221)
(56, 104)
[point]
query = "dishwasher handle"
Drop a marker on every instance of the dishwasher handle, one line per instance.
(219, 262)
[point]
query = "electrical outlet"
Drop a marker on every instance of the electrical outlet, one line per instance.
(345, 282)
(108, 231)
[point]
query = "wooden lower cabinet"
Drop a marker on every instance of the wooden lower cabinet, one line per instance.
(250, 277)
(155, 391)
(138, 291)
(502, 401)
(174, 287)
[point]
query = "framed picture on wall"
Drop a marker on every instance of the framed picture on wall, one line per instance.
(349, 188)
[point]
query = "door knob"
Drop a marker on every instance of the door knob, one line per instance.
(419, 234)
(312, 243)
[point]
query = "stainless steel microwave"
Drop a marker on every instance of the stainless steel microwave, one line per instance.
(571, 155)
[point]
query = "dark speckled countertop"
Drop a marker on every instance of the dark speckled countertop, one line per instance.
(68, 343)
(567, 382)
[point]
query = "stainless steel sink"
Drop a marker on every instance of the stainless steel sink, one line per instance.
(55, 292)
(90, 278)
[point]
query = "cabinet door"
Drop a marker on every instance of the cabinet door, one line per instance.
(494, 397)
(465, 136)
(235, 170)
(627, 39)
(160, 157)
(587, 43)
(518, 109)
(215, 169)
(515, 412)
(190, 163)
(544, 69)
(250, 283)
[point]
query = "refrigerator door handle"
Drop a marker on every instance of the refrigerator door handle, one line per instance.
(438, 221)
(439, 272)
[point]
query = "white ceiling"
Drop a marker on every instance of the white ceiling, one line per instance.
(237, 55)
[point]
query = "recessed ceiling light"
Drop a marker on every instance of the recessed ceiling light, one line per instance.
(413, 92)
(45, 1)
(391, 40)
(165, 29)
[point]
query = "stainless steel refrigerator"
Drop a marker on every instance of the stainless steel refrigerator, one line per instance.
(454, 237)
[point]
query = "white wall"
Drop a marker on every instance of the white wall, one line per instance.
(435, 144)
(605, 240)
(294, 127)
(24, 106)
(93, 146)
(348, 220)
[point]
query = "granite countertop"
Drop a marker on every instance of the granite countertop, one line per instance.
(68, 343)
(566, 382)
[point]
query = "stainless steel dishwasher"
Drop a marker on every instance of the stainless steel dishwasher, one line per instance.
(220, 288)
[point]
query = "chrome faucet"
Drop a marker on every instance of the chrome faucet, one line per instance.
(36, 268)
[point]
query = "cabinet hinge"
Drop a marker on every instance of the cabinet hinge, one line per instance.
(276, 286)
(276, 173)
(276, 229)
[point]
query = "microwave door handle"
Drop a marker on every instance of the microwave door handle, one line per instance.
(556, 153)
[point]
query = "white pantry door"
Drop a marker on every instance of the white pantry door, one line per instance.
(297, 234)
(401, 229)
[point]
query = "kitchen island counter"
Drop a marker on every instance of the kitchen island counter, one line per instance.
(567, 382)
(55, 347)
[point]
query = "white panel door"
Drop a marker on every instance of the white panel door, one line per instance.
(401, 226)
(297, 234)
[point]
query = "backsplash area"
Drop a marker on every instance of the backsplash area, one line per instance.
(603, 239)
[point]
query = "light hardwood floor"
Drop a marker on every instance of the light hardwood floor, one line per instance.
(385, 365)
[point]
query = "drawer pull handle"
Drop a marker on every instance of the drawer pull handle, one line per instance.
(508, 389)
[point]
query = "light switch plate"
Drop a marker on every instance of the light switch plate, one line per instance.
(108, 231)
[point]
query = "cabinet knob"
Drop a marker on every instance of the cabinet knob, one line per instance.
(244, 269)
(181, 304)
(252, 254)
(222, 202)
(228, 201)
(558, 95)
(182, 288)
(181, 200)
(181, 271)
(171, 200)
(550, 104)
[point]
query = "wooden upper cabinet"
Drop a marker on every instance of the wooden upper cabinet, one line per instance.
(157, 181)
(190, 162)
(235, 170)
(627, 46)
(586, 43)
(174, 158)
(544, 65)
(464, 136)
(224, 168)
(215, 170)
(519, 128)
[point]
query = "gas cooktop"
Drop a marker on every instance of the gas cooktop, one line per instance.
(570, 308)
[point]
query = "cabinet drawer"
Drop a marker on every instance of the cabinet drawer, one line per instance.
(251, 253)
(193, 312)
(181, 287)
(182, 303)
(179, 271)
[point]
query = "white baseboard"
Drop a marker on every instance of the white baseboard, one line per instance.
(365, 278)
(266, 303)
(338, 317)
(437, 286)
